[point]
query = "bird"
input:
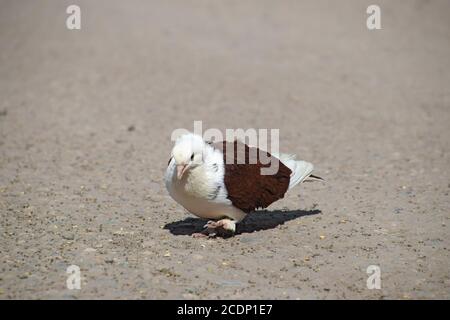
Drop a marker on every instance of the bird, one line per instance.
(210, 180)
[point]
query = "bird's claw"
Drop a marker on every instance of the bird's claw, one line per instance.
(206, 233)
(223, 228)
(200, 235)
(213, 224)
(213, 229)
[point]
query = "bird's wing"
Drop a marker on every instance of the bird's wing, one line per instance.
(247, 188)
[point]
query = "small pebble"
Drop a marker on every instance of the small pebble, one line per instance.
(68, 236)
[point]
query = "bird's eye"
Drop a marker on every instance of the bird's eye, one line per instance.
(192, 157)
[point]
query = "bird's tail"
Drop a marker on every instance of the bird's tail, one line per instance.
(301, 170)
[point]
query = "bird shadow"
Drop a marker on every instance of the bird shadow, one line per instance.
(254, 221)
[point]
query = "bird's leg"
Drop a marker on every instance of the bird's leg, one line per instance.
(223, 227)
(223, 223)
(206, 232)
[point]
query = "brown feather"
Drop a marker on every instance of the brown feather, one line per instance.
(247, 188)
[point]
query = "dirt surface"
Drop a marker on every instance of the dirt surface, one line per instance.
(85, 124)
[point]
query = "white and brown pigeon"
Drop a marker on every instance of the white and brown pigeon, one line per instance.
(201, 177)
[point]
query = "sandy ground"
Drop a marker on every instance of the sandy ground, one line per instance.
(85, 124)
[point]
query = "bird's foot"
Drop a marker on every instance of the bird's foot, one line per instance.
(224, 227)
(200, 235)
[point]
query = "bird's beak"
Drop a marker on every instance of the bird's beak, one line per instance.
(181, 168)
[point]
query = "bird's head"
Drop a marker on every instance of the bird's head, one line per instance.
(187, 153)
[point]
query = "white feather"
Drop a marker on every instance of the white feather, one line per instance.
(300, 169)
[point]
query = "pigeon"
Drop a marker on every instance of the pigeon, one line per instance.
(210, 180)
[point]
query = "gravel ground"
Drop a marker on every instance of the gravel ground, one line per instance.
(85, 124)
